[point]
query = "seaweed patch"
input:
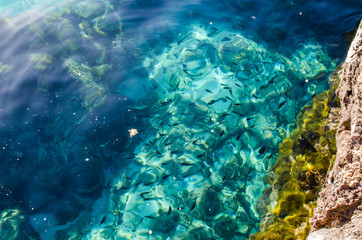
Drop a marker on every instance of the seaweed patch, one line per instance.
(299, 173)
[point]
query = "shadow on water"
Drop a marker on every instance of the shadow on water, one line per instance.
(71, 73)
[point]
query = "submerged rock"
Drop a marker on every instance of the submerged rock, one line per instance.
(340, 203)
(216, 119)
(304, 159)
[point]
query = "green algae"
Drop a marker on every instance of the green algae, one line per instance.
(10, 221)
(298, 175)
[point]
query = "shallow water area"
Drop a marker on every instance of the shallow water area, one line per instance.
(154, 119)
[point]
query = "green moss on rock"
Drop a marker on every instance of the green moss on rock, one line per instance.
(300, 170)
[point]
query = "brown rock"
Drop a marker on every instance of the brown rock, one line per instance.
(339, 206)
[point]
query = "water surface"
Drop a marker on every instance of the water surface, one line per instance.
(212, 87)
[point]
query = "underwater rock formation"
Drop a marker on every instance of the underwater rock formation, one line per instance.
(215, 116)
(339, 208)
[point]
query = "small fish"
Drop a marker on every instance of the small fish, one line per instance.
(286, 93)
(253, 94)
(161, 134)
(177, 84)
(209, 91)
(214, 101)
(332, 45)
(201, 155)
(238, 85)
(140, 139)
(222, 133)
(262, 150)
(193, 205)
(144, 193)
(154, 84)
(158, 153)
(223, 179)
(238, 137)
(137, 183)
(60, 140)
(169, 211)
(178, 43)
(211, 102)
(213, 32)
(140, 221)
(103, 220)
(108, 184)
(187, 175)
(228, 98)
(195, 105)
(299, 42)
(282, 104)
(273, 78)
(165, 176)
(186, 164)
(194, 142)
(231, 92)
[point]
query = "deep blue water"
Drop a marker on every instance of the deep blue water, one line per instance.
(212, 87)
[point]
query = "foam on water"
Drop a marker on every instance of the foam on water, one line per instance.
(212, 88)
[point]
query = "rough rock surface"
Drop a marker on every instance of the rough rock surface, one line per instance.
(338, 214)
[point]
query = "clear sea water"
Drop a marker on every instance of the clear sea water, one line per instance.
(137, 119)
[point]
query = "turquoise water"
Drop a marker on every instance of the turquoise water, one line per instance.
(154, 119)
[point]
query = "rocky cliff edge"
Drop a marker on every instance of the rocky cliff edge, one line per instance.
(338, 214)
